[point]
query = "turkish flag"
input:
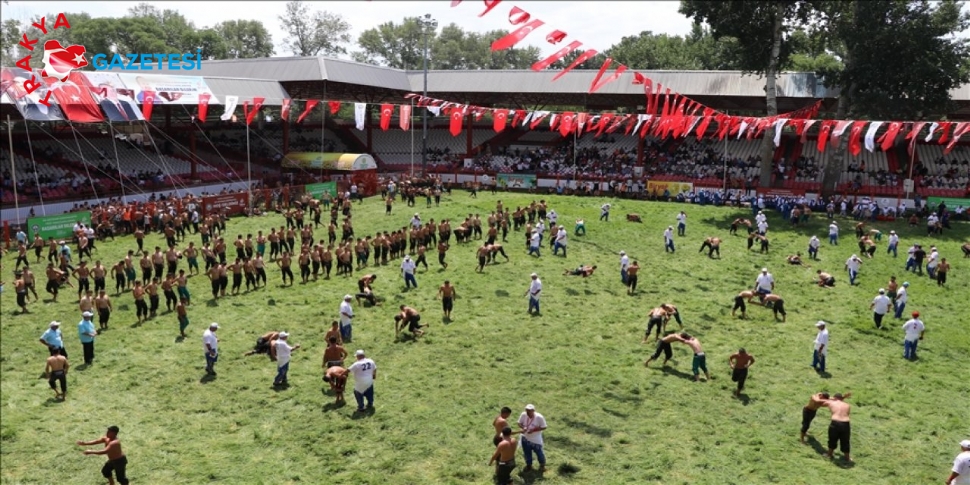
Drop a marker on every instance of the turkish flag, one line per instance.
(702, 127)
(961, 129)
(823, 135)
(386, 110)
(457, 116)
(808, 124)
(604, 123)
(405, 117)
(499, 118)
(566, 125)
(285, 110)
(945, 129)
(855, 146)
(517, 116)
(74, 97)
(537, 118)
(148, 100)
(334, 106)
(203, 106)
(306, 109)
(888, 139)
(913, 135)
(617, 122)
(257, 105)
(580, 121)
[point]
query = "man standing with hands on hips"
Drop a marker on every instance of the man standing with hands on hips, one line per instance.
(532, 425)
(211, 344)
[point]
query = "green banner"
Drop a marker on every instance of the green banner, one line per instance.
(60, 226)
(317, 190)
(515, 181)
(951, 202)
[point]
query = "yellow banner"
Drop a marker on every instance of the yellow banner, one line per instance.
(674, 187)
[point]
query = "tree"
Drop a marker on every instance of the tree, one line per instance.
(64, 35)
(763, 27)
(314, 33)
(400, 46)
(244, 39)
(177, 33)
(900, 60)
(10, 32)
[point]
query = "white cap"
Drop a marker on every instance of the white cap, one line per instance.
(55, 323)
(87, 314)
(965, 444)
(359, 353)
(284, 335)
(764, 270)
(213, 325)
(882, 291)
(348, 297)
(819, 323)
(622, 253)
(530, 407)
(533, 275)
(416, 214)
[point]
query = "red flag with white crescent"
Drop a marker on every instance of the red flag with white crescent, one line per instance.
(148, 100)
(306, 109)
(203, 106)
(457, 116)
(285, 110)
(334, 106)
(566, 125)
(405, 117)
(386, 110)
(855, 145)
(499, 118)
(961, 129)
(257, 105)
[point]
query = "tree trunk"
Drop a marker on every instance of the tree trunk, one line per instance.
(771, 96)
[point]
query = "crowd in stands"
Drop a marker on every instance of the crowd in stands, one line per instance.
(947, 175)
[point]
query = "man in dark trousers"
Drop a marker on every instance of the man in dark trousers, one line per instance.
(740, 362)
(117, 462)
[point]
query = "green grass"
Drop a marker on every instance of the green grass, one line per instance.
(581, 363)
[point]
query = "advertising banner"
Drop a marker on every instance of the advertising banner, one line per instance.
(233, 204)
(166, 89)
(780, 192)
(108, 91)
(60, 226)
(29, 104)
(317, 190)
(951, 202)
(329, 161)
(516, 181)
(674, 187)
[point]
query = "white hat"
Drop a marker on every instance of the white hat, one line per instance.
(284, 335)
(87, 314)
(882, 291)
(416, 214)
(533, 275)
(359, 353)
(622, 253)
(764, 270)
(213, 325)
(819, 323)
(348, 297)
(530, 407)
(965, 444)
(55, 323)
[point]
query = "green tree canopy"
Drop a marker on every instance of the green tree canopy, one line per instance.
(312, 33)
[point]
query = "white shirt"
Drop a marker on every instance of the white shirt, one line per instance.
(668, 235)
(624, 262)
(408, 266)
(893, 239)
(605, 209)
(764, 281)
(209, 340)
(535, 289)
(814, 242)
(363, 371)
(822, 341)
(914, 328)
(682, 218)
(561, 237)
(833, 230)
(534, 241)
(552, 216)
(416, 222)
(853, 264)
(537, 421)
(346, 313)
(934, 259)
(283, 351)
(961, 466)
(881, 304)
(901, 295)
(540, 227)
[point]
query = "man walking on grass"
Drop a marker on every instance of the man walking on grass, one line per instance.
(283, 351)
(821, 347)
(880, 307)
(739, 363)
(86, 333)
(365, 372)
(914, 329)
(535, 289)
(211, 344)
(117, 462)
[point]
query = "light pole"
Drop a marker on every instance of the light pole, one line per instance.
(428, 25)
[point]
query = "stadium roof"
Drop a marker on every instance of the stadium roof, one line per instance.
(321, 77)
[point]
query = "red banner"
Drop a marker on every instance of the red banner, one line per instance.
(74, 98)
(203, 106)
(233, 204)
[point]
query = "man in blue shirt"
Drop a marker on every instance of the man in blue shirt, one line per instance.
(86, 332)
(53, 340)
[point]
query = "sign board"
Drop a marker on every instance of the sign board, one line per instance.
(674, 187)
(515, 181)
(317, 190)
(60, 226)
(233, 204)
(908, 185)
(951, 202)
(329, 161)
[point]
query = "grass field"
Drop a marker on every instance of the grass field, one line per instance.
(581, 363)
